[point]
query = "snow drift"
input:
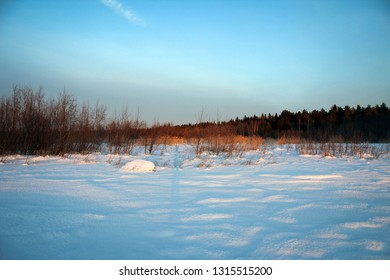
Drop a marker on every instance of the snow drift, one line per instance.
(139, 165)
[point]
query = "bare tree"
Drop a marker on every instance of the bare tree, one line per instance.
(199, 132)
(150, 137)
(64, 122)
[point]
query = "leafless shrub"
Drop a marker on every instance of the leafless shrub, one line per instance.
(150, 138)
(204, 164)
(361, 150)
(123, 132)
(200, 132)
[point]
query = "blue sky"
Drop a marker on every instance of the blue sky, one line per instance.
(171, 59)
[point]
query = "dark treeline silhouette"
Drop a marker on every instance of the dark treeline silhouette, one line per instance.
(33, 124)
(360, 124)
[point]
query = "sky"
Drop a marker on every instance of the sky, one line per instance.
(172, 59)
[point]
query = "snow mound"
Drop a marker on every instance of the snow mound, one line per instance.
(139, 166)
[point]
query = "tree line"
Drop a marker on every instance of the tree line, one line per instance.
(30, 123)
(347, 124)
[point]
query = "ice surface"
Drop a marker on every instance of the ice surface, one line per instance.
(265, 204)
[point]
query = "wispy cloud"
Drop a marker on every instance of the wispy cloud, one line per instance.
(128, 14)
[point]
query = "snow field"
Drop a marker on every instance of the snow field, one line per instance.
(265, 204)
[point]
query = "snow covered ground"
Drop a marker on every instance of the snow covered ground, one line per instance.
(265, 204)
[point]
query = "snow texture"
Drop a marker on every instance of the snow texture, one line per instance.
(266, 204)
